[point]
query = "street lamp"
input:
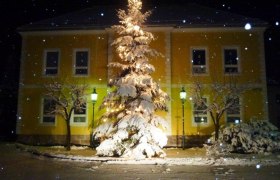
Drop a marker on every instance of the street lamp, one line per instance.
(183, 96)
(94, 96)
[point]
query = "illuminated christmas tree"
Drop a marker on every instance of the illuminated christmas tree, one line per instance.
(131, 128)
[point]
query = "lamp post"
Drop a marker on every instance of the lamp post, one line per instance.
(183, 96)
(94, 96)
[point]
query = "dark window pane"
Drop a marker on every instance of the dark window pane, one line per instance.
(49, 119)
(51, 71)
(235, 107)
(201, 106)
(233, 119)
(200, 112)
(199, 57)
(79, 119)
(81, 71)
(52, 59)
(200, 119)
(49, 106)
(81, 59)
(230, 57)
(231, 70)
(199, 70)
(233, 111)
(80, 111)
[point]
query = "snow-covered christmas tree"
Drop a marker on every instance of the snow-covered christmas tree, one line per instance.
(131, 128)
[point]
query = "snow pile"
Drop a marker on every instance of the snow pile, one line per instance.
(130, 127)
(253, 137)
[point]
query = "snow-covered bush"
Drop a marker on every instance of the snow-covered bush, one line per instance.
(253, 137)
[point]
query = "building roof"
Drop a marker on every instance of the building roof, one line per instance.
(190, 15)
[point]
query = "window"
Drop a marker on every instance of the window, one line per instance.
(231, 61)
(233, 113)
(200, 113)
(81, 62)
(48, 107)
(199, 61)
(79, 115)
(51, 62)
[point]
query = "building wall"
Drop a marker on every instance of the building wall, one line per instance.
(173, 71)
(274, 104)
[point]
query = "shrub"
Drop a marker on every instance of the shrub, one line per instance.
(253, 137)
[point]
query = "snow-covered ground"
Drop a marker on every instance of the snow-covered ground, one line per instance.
(175, 156)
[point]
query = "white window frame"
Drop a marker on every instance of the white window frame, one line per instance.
(82, 67)
(199, 66)
(207, 115)
(235, 115)
(46, 115)
(231, 66)
(45, 63)
(80, 115)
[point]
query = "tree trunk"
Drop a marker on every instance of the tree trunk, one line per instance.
(68, 136)
(217, 129)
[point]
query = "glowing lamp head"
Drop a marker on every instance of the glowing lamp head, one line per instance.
(94, 96)
(183, 94)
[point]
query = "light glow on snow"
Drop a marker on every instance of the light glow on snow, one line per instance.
(136, 28)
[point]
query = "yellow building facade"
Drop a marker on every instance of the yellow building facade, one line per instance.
(80, 56)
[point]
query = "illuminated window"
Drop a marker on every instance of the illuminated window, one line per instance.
(199, 64)
(200, 113)
(81, 62)
(79, 115)
(51, 62)
(48, 108)
(231, 61)
(233, 113)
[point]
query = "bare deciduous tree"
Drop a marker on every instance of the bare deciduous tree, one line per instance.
(67, 98)
(224, 96)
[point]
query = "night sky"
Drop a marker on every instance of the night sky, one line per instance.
(15, 13)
